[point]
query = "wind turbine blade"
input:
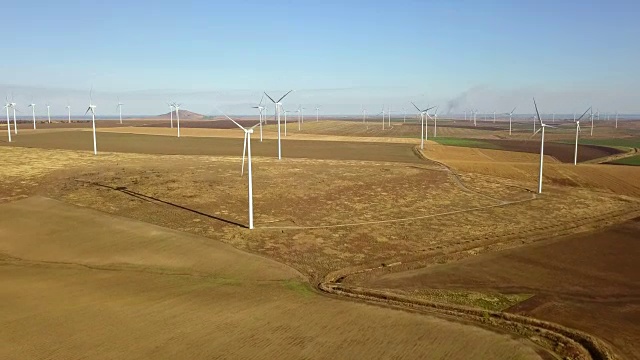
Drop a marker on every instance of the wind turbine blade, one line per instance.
(261, 99)
(535, 133)
(414, 105)
(86, 112)
(585, 113)
(244, 149)
(536, 105)
(270, 98)
(429, 108)
(254, 126)
(514, 109)
(225, 115)
(283, 96)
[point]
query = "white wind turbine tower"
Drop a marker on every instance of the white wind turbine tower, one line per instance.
(7, 106)
(69, 111)
(404, 115)
(299, 111)
(260, 109)
(177, 107)
(616, 119)
(317, 109)
(48, 114)
(577, 121)
(171, 112)
(465, 115)
(494, 116)
(422, 123)
(364, 115)
(92, 108)
(33, 114)
(247, 148)
(382, 112)
(278, 106)
(120, 109)
(475, 112)
(510, 116)
(389, 117)
(15, 123)
(542, 126)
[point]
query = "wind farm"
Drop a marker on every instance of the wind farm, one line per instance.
(441, 205)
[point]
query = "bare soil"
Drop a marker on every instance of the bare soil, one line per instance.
(588, 282)
(150, 144)
(84, 284)
(562, 152)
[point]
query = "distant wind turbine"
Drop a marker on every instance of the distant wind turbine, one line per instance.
(48, 114)
(33, 114)
(92, 108)
(422, 123)
(15, 123)
(260, 109)
(7, 106)
(285, 121)
(120, 109)
(317, 110)
(177, 107)
(575, 153)
(591, 122)
(542, 127)
(171, 112)
(616, 119)
(510, 116)
(278, 106)
(69, 111)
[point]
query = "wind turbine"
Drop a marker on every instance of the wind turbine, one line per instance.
(364, 115)
(542, 126)
(575, 153)
(475, 112)
(317, 109)
(616, 119)
(69, 110)
(247, 149)
(171, 112)
(177, 107)
(404, 115)
(48, 114)
(33, 114)
(465, 115)
(260, 109)
(382, 112)
(510, 115)
(299, 111)
(120, 109)
(7, 106)
(422, 123)
(278, 106)
(15, 124)
(494, 116)
(92, 108)
(389, 116)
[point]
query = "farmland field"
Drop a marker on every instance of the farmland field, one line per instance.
(334, 204)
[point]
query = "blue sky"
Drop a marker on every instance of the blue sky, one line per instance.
(339, 54)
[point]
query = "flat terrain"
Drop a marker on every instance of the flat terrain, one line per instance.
(151, 144)
(339, 202)
(562, 152)
(588, 282)
(83, 284)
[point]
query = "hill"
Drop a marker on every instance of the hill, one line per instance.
(184, 115)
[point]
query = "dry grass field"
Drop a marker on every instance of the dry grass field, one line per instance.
(338, 203)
